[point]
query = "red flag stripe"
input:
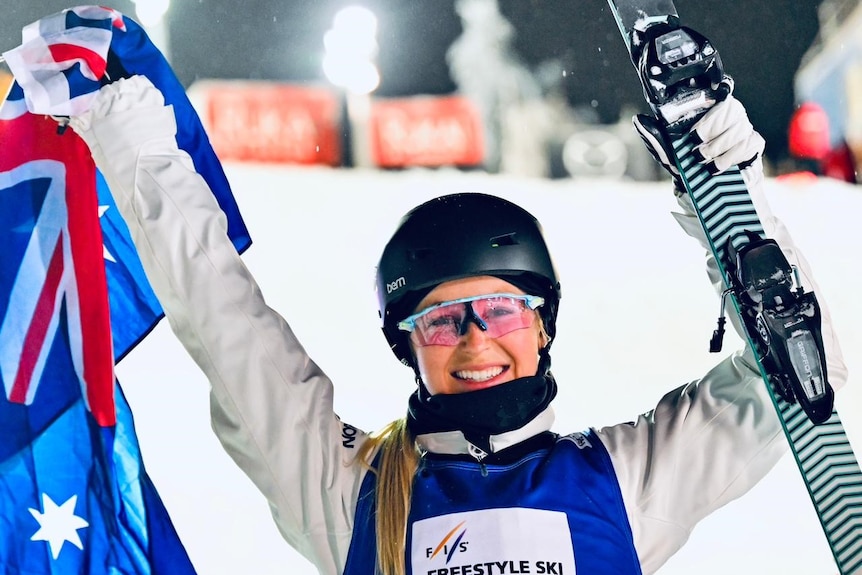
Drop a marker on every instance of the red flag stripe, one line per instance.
(67, 52)
(85, 238)
(42, 316)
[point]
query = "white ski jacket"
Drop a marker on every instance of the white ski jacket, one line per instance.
(272, 406)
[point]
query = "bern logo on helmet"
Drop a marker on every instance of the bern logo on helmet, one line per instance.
(399, 283)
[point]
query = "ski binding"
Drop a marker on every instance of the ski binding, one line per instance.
(679, 70)
(681, 73)
(784, 322)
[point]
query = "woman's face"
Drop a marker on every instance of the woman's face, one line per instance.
(477, 361)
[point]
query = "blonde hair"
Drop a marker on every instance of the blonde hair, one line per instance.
(399, 459)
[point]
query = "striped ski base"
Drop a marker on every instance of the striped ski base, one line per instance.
(823, 453)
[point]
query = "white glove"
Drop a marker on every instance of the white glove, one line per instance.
(727, 137)
(724, 138)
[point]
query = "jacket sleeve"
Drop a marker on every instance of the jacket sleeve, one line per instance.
(271, 406)
(710, 441)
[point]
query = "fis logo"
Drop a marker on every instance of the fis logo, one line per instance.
(456, 536)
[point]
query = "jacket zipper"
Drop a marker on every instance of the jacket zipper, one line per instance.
(479, 455)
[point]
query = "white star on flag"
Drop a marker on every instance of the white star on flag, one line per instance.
(105, 253)
(58, 524)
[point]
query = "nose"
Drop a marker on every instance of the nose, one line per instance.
(470, 317)
(473, 334)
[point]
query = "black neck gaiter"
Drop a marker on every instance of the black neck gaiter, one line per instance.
(486, 412)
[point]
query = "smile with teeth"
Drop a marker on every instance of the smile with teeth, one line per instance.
(480, 375)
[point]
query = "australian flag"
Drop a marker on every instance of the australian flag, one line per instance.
(74, 494)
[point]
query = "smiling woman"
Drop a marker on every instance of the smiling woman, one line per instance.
(475, 267)
(473, 479)
(480, 349)
(459, 249)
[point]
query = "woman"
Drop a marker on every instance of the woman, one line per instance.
(472, 481)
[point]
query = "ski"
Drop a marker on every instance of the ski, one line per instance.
(678, 68)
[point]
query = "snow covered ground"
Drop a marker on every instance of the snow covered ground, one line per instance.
(635, 320)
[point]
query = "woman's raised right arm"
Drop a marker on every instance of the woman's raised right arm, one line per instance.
(271, 405)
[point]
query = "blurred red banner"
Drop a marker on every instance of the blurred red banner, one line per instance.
(425, 131)
(270, 122)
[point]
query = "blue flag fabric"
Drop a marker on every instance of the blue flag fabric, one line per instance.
(131, 53)
(134, 307)
(74, 495)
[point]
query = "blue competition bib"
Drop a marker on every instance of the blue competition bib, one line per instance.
(557, 511)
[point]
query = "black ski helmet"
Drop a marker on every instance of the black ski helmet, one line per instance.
(458, 236)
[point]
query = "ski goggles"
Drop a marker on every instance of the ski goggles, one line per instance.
(495, 314)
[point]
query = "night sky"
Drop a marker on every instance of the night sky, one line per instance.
(761, 44)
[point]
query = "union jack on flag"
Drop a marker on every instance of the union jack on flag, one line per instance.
(63, 57)
(56, 232)
(74, 495)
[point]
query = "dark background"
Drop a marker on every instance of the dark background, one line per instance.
(761, 44)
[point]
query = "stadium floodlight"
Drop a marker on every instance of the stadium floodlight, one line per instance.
(351, 46)
(151, 12)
